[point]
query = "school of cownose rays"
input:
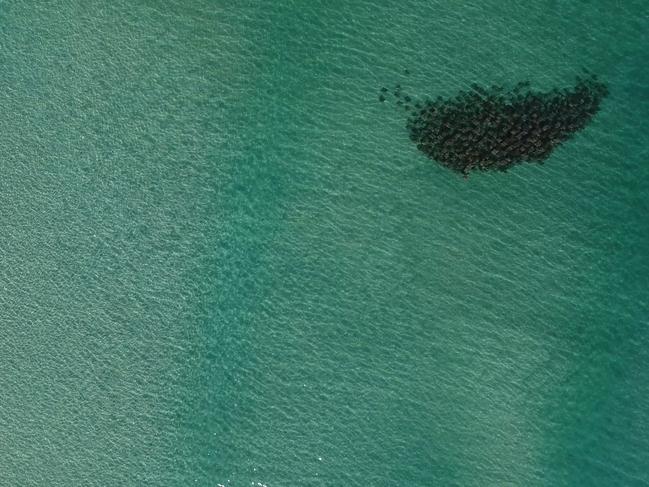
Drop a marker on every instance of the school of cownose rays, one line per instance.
(493, 128)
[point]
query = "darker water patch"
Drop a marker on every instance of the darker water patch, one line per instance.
(491, 128)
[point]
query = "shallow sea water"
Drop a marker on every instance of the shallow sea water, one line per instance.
(223, 261)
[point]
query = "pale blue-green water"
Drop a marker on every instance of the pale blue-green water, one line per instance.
(223, 261)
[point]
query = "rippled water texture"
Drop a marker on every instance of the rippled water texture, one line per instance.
(224, 262)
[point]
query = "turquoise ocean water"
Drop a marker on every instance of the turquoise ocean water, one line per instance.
(223, 262)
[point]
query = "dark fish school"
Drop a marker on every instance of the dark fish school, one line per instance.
(494, 129)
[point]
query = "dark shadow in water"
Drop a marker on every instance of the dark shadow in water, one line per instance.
(493, 128)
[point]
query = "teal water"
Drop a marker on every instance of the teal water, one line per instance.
(223, 261)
